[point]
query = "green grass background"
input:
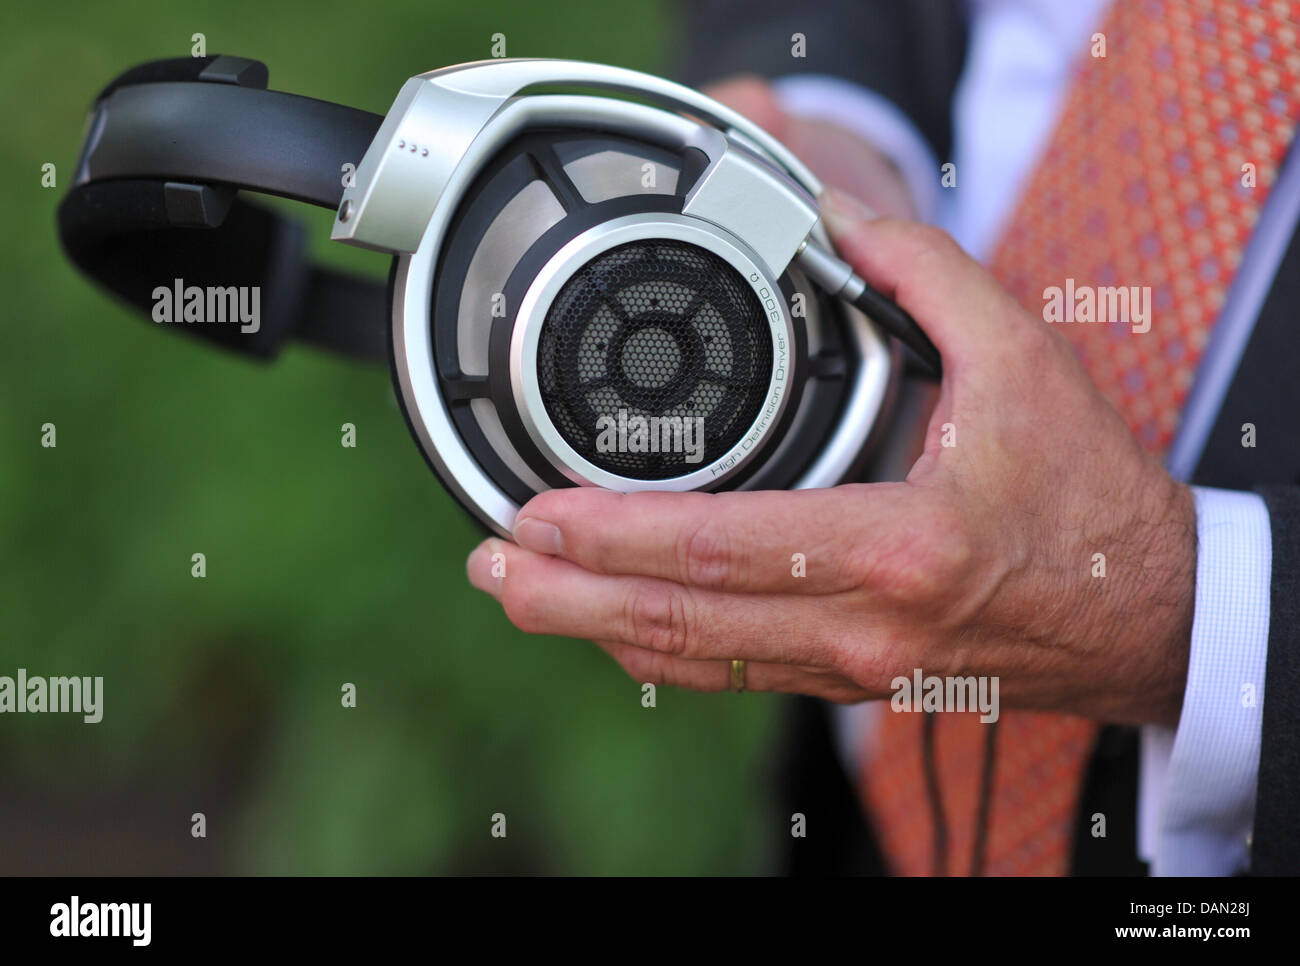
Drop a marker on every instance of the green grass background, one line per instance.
(325, 565)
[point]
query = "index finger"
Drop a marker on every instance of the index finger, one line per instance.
(799, 541)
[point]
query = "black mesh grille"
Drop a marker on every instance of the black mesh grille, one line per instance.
(654, 329)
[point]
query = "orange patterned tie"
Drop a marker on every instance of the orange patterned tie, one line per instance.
(1162, 158)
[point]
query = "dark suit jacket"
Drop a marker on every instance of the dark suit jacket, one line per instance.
(912, 53)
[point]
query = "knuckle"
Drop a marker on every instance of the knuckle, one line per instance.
(871, 662)
(847, 652)
(657, 618)
(704, 555)
(664, 670)
(912, 578)
(859, 664)
(953, 550)
(522, 605)
(644, 666)
(931, 563)
(650, 667)
(947, 548)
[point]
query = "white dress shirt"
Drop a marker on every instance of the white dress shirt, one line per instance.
(1197, 783)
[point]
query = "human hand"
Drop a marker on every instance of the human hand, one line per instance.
(979, 563)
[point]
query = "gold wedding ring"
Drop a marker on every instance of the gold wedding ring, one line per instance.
(738, 676)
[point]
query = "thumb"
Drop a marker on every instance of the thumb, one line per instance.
(961, 307)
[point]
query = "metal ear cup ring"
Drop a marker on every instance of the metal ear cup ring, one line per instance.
(598, 277)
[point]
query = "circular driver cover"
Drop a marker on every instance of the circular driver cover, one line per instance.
(654, 359)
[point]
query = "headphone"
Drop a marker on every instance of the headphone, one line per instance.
(599, 277)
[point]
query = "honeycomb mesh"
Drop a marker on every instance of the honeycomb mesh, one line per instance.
(654, 329)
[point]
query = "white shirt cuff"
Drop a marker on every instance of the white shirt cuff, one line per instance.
(1196, 799)
(873, 118)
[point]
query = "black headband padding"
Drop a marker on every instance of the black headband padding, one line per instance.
(220, 68)
(119, 233)
(267, 141)
(154, 200)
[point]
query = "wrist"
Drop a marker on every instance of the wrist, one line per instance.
(1151, 630)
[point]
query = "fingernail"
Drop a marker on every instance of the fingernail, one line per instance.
(539, 536)
(478, 567)
(843, 212)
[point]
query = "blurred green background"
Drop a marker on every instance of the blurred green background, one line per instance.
(325, 565)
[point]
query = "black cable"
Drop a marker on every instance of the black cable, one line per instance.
(935, 794)
(986, 800)
(895, 320)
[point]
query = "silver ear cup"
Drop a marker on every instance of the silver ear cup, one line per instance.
(525, 189)
(657, 329)
(620, 349)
